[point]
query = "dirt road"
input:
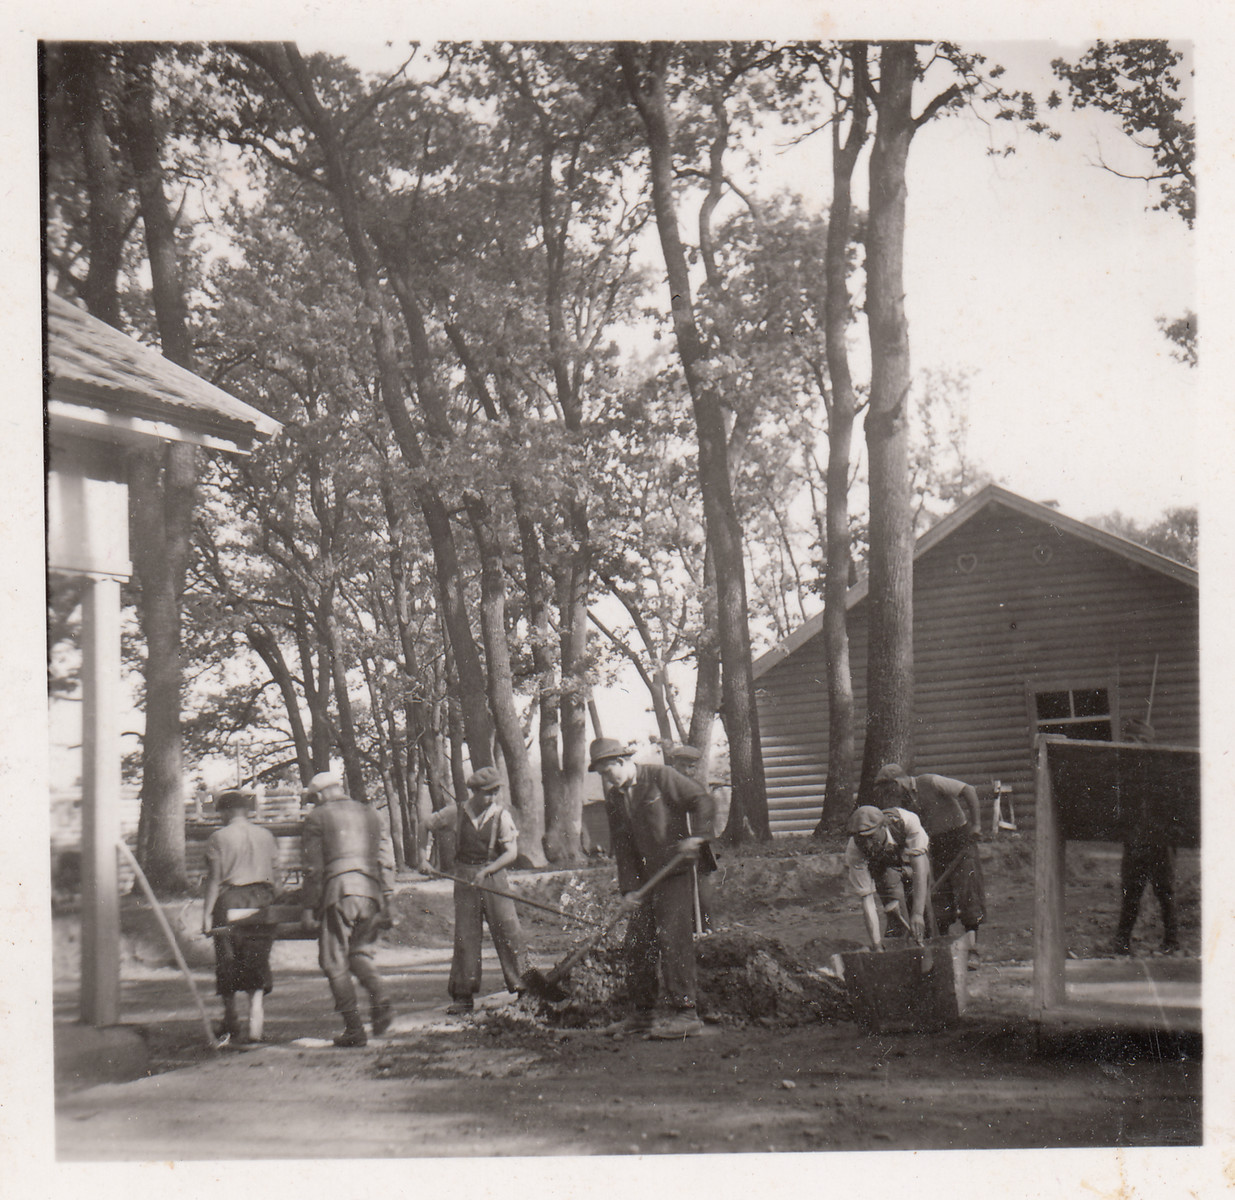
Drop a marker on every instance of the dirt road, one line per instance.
(439, 1087)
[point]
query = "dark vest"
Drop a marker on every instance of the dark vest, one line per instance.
(476, 844)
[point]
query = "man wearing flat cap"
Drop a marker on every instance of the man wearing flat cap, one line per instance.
(487, 843)
(349, 877)
(240, 873)
(887, 849)
(650, 808)
(952, 817)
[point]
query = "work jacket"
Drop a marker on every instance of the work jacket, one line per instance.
(346, 853)
(648, 819)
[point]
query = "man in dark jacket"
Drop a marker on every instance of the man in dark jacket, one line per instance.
(648, 807)
(349, 876)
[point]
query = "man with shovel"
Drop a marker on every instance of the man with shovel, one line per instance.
(887, 849)
(952, 817)
(488, 842)
(649, 807)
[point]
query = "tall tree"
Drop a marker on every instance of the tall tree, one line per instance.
(646, 73)
(889, 715)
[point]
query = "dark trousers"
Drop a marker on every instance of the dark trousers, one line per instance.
(659, 933)
(894, 885)
(1143, 864)
(242, 956)
(472, 909)
(962, 895)
(345, 948)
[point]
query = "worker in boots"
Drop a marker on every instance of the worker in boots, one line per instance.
(349, 878)
(952, 817)
(648, 806)
(240, 873)
(487, 842)
(887, 850)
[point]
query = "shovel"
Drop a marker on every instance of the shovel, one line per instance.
(549, 987)
(480, 887)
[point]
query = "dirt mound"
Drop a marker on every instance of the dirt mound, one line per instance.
(744, 977)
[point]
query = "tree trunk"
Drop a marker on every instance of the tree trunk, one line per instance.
(889, 716)
(707, 673)
(80, 71)
(842, 409)
(286, 67)
(353, 769)
(316, 682)
(738, 709)
(528, 810)
(266, 645)
(161, 555)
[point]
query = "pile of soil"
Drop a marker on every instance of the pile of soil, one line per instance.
(744, 978)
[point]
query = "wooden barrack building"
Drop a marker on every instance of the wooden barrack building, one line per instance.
(1025, 622)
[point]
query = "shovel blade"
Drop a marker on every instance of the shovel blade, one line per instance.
(544, 987)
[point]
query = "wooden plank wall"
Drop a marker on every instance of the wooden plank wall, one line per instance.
(1005, 606)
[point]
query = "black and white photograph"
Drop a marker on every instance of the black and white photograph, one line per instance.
(606, 602)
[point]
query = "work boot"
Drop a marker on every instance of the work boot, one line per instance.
(1122, 944)
(353, 1031)
(462, 1007)
(381, 1015)
(639, 1021)
(682, 1024)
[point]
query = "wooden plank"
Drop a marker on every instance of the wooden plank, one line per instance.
(1049, 951)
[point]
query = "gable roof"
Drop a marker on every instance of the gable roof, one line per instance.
(990, 495)
(100, 376)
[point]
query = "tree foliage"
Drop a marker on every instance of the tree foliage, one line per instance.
(1140, 84)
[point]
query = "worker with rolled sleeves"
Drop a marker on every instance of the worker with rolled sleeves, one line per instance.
(648, 806)
(488, 842)
(888, 849)
(349, 877)
(241, 867)
(952, 817)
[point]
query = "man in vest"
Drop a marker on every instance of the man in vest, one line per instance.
(349, 877)
(648, 807)
(487, 843)
(888, 849)
(241, 859)
(952, 817)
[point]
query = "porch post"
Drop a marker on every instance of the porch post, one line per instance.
(100, 925)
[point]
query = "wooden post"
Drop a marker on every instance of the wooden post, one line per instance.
(1048, 917)
(100, 925)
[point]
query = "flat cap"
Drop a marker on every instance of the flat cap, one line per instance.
(891, 773)
(866, 819)
(486, 779)
(603, 749)
(321, 781)
(233, 798)
(682, 753)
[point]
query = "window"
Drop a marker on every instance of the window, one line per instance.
(1081, 713)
